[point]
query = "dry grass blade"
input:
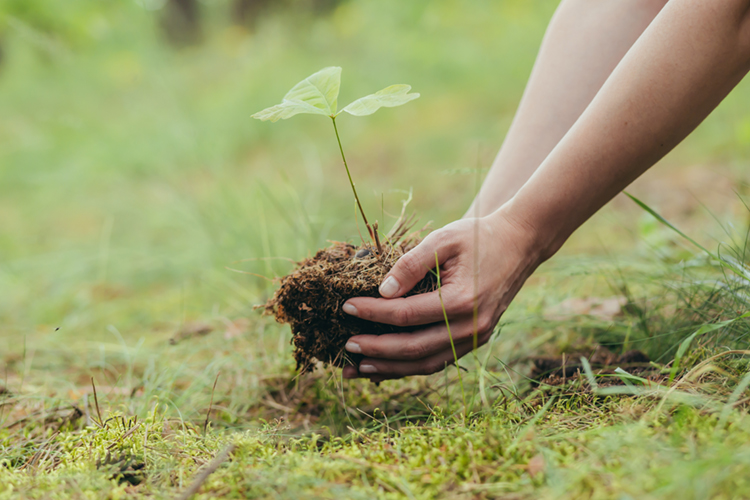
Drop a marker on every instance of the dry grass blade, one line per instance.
(211, 404)
(96, 402)
(207, 471)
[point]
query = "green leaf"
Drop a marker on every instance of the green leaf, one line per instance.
(395, 95)
(589, 374)
(317, 94)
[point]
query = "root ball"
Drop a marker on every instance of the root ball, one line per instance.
(311, 297)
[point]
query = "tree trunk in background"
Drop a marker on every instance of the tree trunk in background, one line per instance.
(180, 22)
(324, 6)
(246, 12)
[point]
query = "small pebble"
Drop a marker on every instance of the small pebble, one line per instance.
(362, 253)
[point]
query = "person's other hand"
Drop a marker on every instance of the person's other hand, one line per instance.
(474, 297)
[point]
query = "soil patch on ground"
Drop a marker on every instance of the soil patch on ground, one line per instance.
(557, 370)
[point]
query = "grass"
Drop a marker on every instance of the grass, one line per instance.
(132, 178)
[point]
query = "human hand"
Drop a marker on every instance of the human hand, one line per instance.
(474, 296)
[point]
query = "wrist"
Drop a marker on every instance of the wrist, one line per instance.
(534, 238)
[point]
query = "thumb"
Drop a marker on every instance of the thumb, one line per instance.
(412, 267)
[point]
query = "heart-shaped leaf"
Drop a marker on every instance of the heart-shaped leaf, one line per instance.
(317, 94)
(395, 95)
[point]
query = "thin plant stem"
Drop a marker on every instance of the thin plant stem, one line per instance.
(351, 183)
(450, 335)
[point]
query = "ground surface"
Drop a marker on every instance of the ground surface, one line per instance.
(133, 186)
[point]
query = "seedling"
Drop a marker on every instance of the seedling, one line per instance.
(310, 298)
(318, 95)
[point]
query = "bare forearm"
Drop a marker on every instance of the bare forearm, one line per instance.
(583, 44)
(686, 62)
(688, 59)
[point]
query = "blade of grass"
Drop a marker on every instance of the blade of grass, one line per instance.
(733, 398)
(664, 221)
(450, 335)
(685, 344)
(589, 374)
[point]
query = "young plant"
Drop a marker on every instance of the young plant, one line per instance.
(318, 95)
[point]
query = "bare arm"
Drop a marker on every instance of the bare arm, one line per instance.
(684, 64)
(674, 76)
(584, 42)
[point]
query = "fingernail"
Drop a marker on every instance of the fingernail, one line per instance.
(349, 309)
(389, 287)
(353, 347)
(367, 369)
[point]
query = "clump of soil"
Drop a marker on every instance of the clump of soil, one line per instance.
(311, 297)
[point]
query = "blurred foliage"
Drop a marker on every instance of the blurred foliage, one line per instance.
(132, 179)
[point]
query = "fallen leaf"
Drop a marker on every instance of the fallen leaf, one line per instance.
(536, 465)
(236, 328)
(605, 309)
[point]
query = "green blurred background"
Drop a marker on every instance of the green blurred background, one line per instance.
(132, 176)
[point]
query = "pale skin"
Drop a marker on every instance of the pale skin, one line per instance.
(617, 84)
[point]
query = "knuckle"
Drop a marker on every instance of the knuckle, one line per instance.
(371, 349)
(403, 316)
(465, 303)
(409, 264)
(453, 237)
(485, 325)
(414, 350)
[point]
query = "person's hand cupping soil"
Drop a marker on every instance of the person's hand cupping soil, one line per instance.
(474, 297)
(633, 103)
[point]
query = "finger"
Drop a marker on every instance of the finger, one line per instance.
(388, 369)
(421, 309)
(414, 265)
(414, 345)
(350, 372)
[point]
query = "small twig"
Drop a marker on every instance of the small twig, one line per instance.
(96, 402)
(203, 475)
(30, 416)
(210, 405)
(124, 436)
(32, 461)
(377, 238)
(401, 221)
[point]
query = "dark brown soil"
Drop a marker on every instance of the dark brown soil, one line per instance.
(555, 370)
(311, 297)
